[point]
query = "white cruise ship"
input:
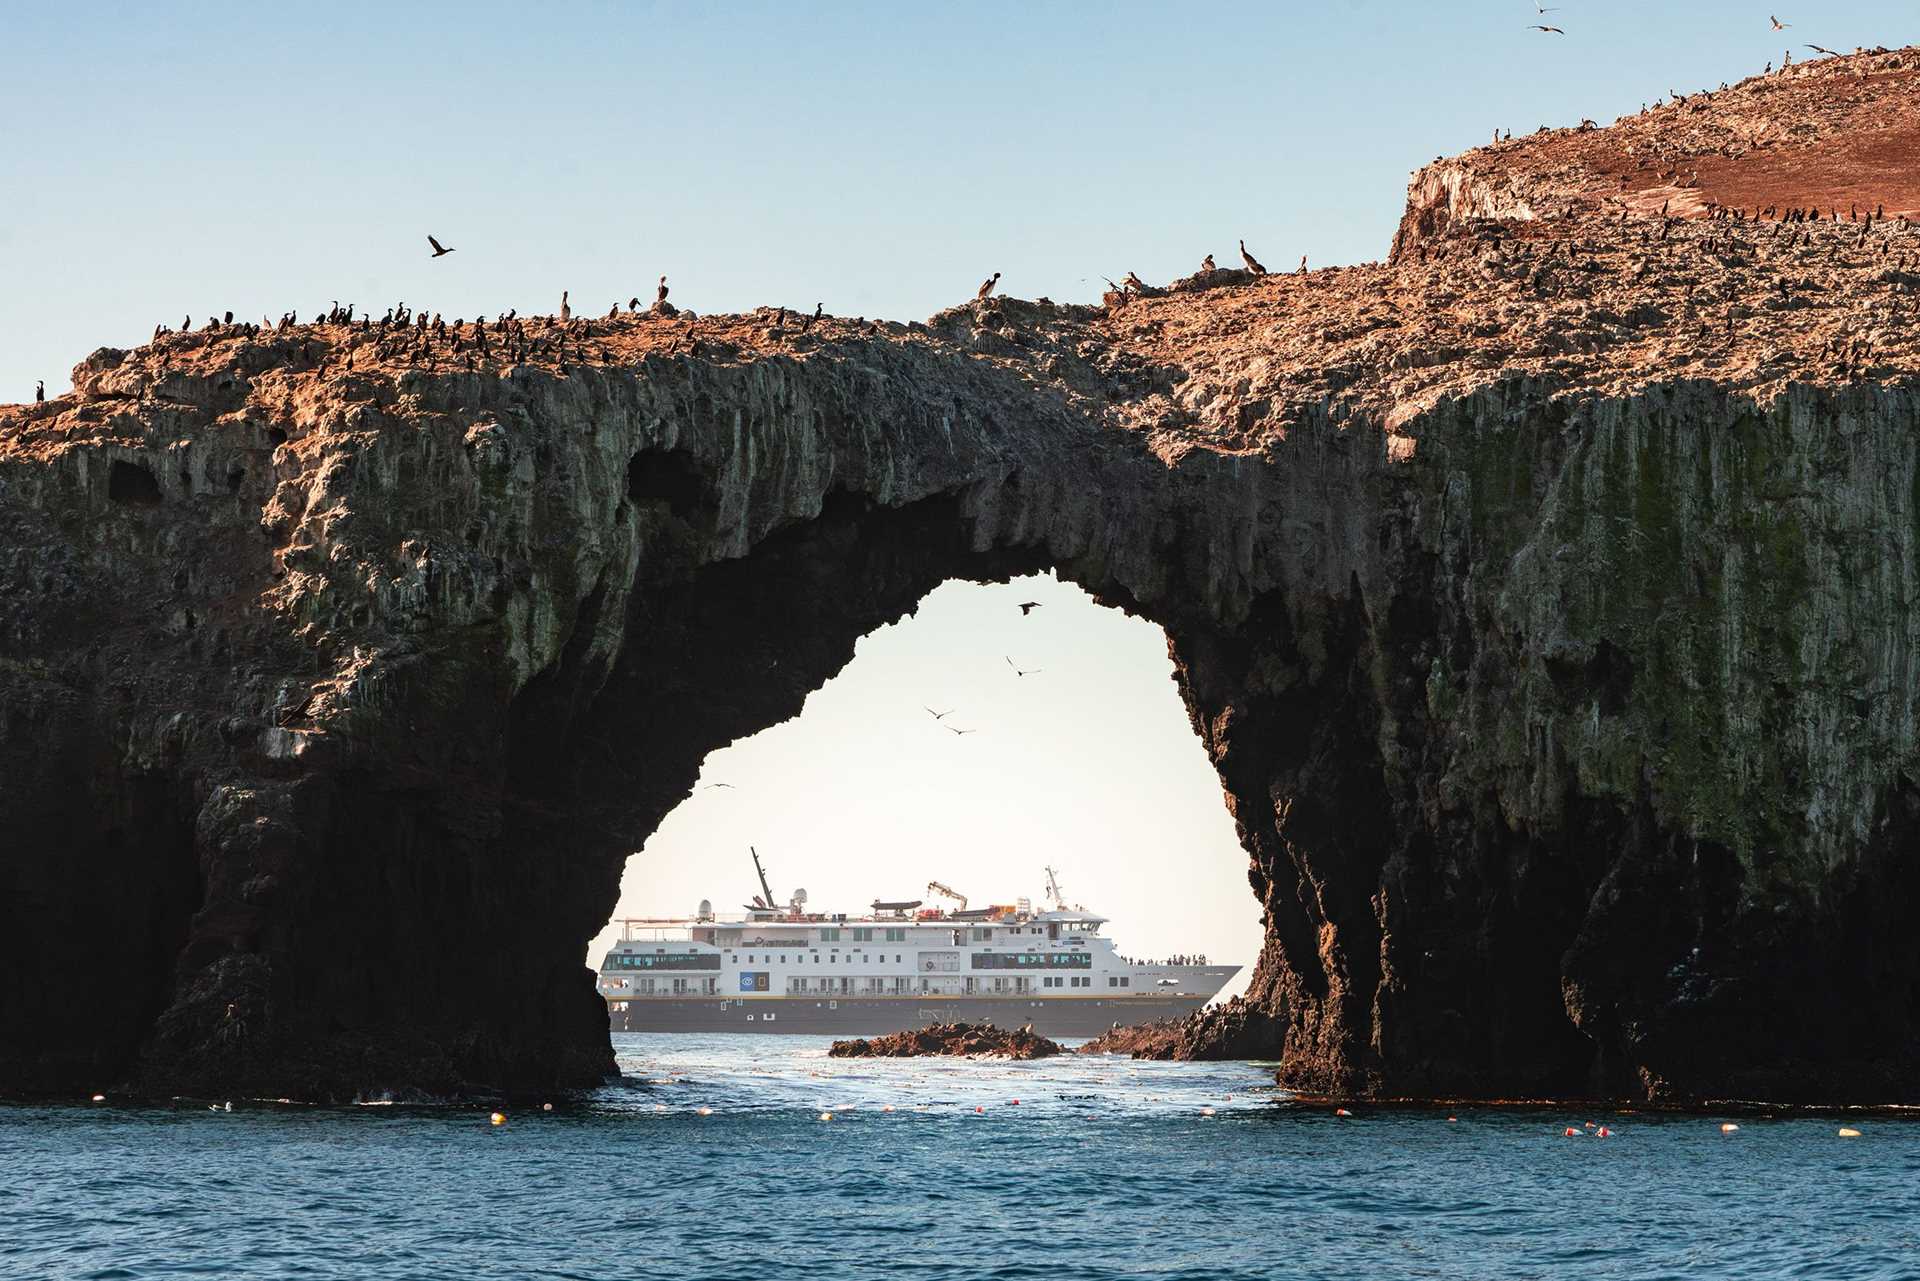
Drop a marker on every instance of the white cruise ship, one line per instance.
(903, 965)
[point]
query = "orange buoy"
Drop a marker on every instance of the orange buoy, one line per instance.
(1571, 1133)
(1728, 1127)
(1341, 1112)
(1014, 1103)
(826, 1116)
(498, 1118)
(978, 1108)
(1603, 1133)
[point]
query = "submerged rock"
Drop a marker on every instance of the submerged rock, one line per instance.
(949, 1038)
(1547, 599)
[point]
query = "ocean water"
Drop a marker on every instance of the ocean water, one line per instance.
(1103, 1168)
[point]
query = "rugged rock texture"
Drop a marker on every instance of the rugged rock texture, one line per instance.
(1545, 598)
(960, 1039)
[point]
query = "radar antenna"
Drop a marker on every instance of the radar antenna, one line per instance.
(762, 873)
(935, 887)
(1054, 892)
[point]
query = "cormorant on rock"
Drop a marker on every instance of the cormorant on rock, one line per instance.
(660, 294)
(438, 249)
(633, 304)
(819, 310)
(1253, 264)
(1134, 283)
(39, 391)
(566, 312)
(1303, 264)
(1206, 265)
(986, 286)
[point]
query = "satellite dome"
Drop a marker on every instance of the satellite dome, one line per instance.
(799, 897)
(706, 909)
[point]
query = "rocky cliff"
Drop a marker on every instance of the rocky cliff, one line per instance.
(1545, 598)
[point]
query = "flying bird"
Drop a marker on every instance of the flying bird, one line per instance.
(1017, 671)
(938, 716)
(1028, 606)
(1551, 30)
(1777, 24)
(439, 250)
(986, 286)
(711, 786)
(1253, 264)
(1823, 49)
(958, 732)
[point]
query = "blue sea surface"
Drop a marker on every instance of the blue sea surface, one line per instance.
(1103, 1168)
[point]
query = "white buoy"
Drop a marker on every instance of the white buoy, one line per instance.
(705, 1111)
(826, 1116)
(1848, 1132)
(1728, 1127)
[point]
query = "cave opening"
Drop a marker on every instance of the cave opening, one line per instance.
(930, 757)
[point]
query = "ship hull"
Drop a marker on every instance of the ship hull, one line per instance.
(878, 1016)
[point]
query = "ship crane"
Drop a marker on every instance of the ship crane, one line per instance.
(935, 887)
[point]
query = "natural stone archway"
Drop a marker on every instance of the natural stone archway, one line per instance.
(1557, 662)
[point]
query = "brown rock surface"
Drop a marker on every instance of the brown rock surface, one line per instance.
(981, 1039)
(1543, 597)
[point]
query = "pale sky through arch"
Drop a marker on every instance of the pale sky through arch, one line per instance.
(1089, 765)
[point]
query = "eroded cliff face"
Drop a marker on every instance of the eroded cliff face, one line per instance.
(1543, 599)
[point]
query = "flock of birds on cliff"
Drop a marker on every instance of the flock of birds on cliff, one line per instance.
(401, 331)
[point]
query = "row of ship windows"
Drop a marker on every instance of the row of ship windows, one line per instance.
(879, 958)
(1080, 980)
(865, 936)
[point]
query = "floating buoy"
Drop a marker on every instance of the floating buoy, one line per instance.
(1572, 1133)
(826, 1116)
(1341, 1112)
(978, 1108)
(1589, 1125)
(498, 1118)
(1013, 1103)
(886, 1107)
(1848, 1132)
(703, 1110)
(1603, 1133)
(659, 1107)
(1728, 1127)
(1206, 1111)
(546, 1107)
(1452, 1119)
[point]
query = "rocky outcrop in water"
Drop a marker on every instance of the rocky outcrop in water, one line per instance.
(1543, 598)
(956, 1039)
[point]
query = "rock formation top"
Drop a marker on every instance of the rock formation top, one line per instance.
(1788, 249)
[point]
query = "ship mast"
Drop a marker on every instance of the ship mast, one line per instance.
(935, 887)
(761, 872)
(1053, 890)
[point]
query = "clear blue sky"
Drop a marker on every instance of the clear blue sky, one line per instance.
(164, 159)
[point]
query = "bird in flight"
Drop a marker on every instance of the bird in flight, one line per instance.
(1551, 30)
(711, 786)
(1028, 606)
(1777, 24)
(1823, 49)
(938, 716)
(439, 250)
(1018, 671)
(958, 732)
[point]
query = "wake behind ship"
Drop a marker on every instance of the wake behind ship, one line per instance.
(901, 966)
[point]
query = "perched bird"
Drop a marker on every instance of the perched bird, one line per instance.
(1303, 264)
(566, 312)
(39, 391)
(1028, 606)
(1018, 671)
(986, 286)
(1253, 264)
(1549, 30)
(1206, 264)
(938, 716)
(660, 294)
(1135, 283)
(1777, 24)
(633, 304)
(438, 248)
